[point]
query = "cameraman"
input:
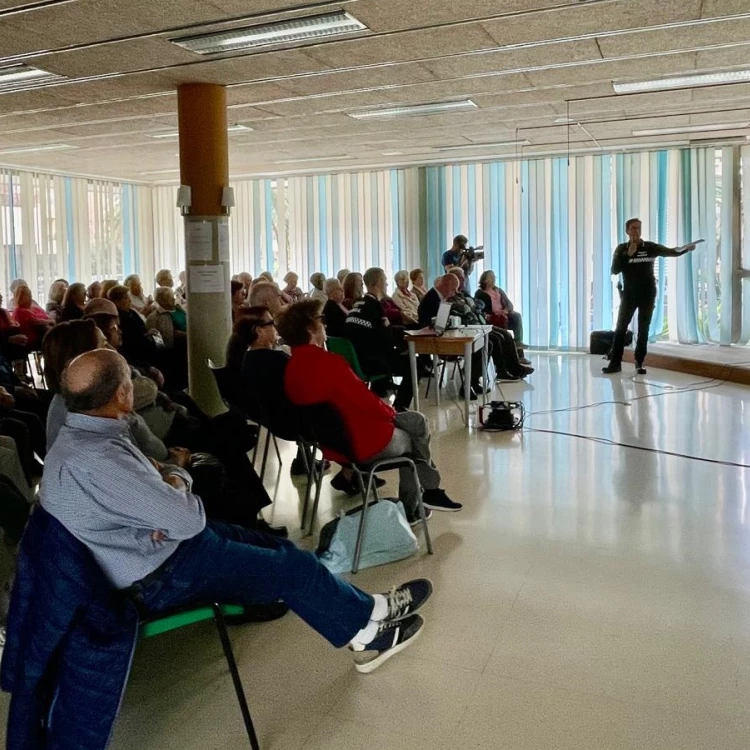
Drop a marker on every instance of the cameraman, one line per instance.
(462, 256)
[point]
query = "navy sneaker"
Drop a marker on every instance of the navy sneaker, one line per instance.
(418, 519)
(408, 598)
(392, 638)
(438, 500)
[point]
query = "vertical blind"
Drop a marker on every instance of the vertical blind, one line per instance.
(548, 226)
(63, 227)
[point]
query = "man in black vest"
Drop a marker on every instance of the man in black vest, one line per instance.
(635, 261)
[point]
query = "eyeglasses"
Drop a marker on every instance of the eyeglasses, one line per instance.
(321, 318)
(266, 323)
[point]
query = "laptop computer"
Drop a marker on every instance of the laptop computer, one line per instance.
(441, 321)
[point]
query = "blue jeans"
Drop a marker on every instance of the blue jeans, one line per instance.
(233, 565)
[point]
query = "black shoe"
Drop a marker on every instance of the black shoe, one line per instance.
(639, 368)
(408, 598)
(298, 467)
(438, 500)
(611, 369)
(524, 360)
(473, 394)
(506, 377)
(392, 637)
(349, 486)
(258, 613)
(266, 528)
(524, 371)
(418, 519)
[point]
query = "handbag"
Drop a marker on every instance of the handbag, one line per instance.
(388, 537)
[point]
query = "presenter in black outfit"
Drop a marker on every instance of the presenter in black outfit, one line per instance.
(635, 261)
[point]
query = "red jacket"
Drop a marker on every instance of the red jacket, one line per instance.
(315, 376)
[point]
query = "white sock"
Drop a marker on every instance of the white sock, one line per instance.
(380, 610)
(364, 636)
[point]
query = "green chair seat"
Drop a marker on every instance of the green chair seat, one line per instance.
(182, 619)
(345, 348)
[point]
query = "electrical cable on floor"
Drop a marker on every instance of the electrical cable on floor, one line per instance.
(607, 441)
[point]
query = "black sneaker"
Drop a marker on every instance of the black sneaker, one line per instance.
(407, 599)
(266, 528)
(438, 500)
(298, 467)
(349, 486)
(611, 369)
(506, 377)
(392, 637)
(418, 519)
(640, 369)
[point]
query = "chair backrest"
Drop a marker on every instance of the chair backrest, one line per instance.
(322, 424)
(345, 348)
(229, 384)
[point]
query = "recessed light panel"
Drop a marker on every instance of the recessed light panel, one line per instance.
(413, 110)
(14, 77)
(282, 32)
(29, 149)
(692, 129)
(683, 82)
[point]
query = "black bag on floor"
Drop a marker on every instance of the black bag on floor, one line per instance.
(600, 342)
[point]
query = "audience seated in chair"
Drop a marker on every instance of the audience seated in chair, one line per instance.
(55, 298)
(32, 320)
(354, 289)
(254, 354)
(342, 274)
(502, 348)
(137, 346)
(499, 311)
(93, 290)
(380, 347)
(334, 309)
(405, 299)
(138, 299)
(266, 294)
(317, 281)
(416, 276)
(164, 553)
(14, 343)
(375, 430)
(73, 303)
(291, 292)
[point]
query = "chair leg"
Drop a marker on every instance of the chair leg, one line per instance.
(422, 511)
(365, 492)
(278, 453)
(309, 452)
(318, 487)
(257, 444)
(226, 645)
(265, 455)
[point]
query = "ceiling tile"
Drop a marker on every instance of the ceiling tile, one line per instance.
(489, 62)
(703, 35)
(590, 19)
(412, 45)
(139, 54)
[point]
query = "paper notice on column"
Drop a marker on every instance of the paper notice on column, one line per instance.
(199, 240)
(207, 279)
(224, 241)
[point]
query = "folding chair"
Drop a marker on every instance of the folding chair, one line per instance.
(181, 618)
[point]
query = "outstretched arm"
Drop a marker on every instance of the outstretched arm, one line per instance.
(675, 252)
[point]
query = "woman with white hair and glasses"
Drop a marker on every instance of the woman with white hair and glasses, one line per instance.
(405, 299)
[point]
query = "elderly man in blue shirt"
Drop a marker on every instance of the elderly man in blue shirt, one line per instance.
(148, 531)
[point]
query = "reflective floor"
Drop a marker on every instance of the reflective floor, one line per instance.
(589, 596)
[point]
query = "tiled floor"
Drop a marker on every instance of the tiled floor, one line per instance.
(589, 595)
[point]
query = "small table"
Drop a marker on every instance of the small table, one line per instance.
(457, 342)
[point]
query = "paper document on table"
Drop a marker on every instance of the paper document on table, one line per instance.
(422, 332)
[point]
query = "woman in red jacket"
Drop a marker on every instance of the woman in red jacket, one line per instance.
(374, 430)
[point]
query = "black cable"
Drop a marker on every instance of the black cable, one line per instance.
(607, 441)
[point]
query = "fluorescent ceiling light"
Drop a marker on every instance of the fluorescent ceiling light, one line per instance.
(29, 149)
(282, 32)
(412, 110)
(18, 76)
(237, 128)
(682, 82)
(162, 171)
(693, 129)
(311, 158)
(499, 144)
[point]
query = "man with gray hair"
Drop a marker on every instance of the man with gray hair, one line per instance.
(148, 532)
(267, 294)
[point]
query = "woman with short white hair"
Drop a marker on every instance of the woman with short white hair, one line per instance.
(405, 299)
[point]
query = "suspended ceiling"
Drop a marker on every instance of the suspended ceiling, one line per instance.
(527, 65)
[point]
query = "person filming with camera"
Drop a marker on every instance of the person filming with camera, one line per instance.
(462, 256)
